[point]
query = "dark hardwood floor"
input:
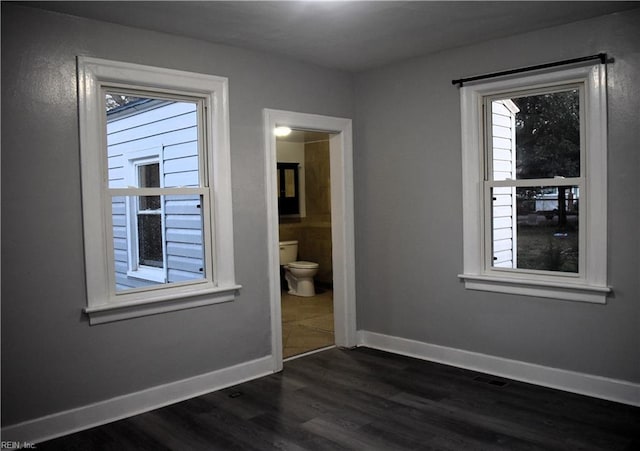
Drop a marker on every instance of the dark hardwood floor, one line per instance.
(365, 399)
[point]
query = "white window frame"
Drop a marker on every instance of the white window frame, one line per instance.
(590, 285)
(104, 304)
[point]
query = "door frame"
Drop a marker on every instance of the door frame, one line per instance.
(342, 222)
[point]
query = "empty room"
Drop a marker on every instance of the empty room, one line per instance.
(320, 225)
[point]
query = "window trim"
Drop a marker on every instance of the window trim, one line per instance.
(219, 285)
(591, 285)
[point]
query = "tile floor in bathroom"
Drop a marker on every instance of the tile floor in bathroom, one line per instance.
(307, 322)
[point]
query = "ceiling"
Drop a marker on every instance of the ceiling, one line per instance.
(346, 35)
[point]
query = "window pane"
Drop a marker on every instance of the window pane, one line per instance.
(546, 129)
(141, 257)
(536, 228)
(148, 203)
(149, 175)
(150, 240)
(140, 128)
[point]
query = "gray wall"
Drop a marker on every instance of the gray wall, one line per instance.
(408, 212)
(409, 209)
(52, 359)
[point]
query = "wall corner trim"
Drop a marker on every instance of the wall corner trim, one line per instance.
(103, 412)
(585, 384)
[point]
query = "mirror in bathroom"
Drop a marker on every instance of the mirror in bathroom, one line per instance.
(288, 189)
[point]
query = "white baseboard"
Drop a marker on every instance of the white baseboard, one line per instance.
(584, 384)
(85, 417)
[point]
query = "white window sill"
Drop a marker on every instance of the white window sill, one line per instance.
(151, 274)
(117, 311)
(541, 288)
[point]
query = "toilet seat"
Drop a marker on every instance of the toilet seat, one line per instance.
(302, 265)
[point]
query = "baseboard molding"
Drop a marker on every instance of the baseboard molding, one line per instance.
(85, 417)
(584, 384)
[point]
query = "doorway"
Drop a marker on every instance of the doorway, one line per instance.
(304, 226)
(338, 131)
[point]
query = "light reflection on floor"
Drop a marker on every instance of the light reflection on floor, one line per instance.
(307, 322)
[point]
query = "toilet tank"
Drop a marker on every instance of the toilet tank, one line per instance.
(288, 252)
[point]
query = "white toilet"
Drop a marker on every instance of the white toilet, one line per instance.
(299, 274)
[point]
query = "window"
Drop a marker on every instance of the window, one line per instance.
(534, 185)
(155, 154)
(149, 217)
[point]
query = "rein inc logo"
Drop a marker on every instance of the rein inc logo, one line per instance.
(5, 444)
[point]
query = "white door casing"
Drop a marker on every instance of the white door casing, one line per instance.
(342, 222)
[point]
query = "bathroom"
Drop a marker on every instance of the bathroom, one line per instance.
(304, 204)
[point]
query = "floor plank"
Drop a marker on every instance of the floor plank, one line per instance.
(368, 399)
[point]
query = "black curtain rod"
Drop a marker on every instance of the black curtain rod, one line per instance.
(600, 56)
